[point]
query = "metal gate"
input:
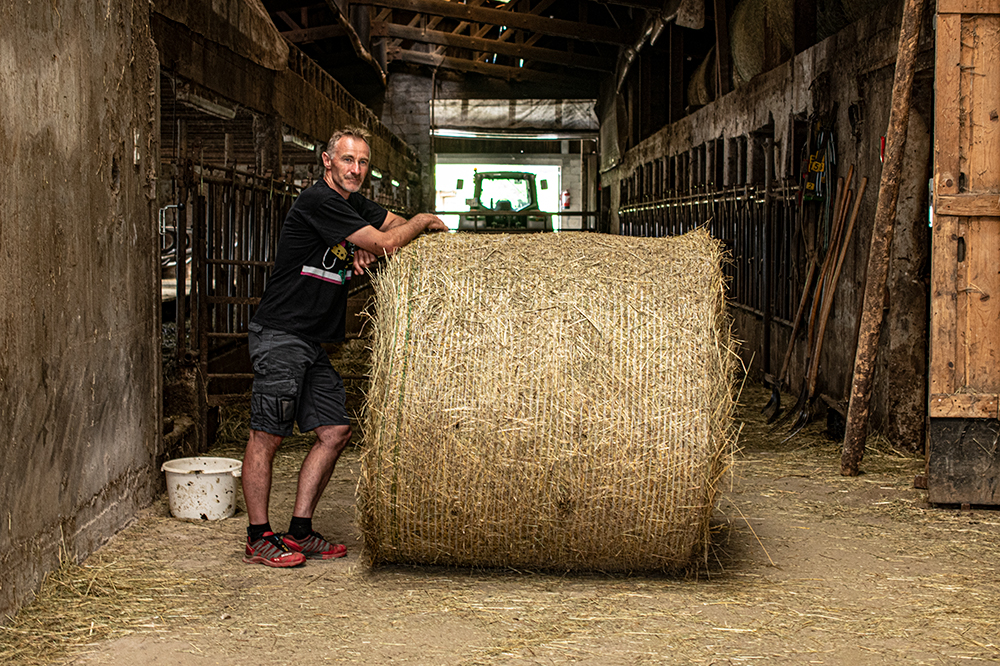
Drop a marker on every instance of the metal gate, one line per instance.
(233, 219)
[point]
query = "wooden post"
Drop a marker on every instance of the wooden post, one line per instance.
(181, 222)
(882, 232)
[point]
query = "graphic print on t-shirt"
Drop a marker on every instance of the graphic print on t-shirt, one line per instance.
(335, 265)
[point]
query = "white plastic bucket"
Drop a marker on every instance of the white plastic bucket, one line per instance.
(202, 488)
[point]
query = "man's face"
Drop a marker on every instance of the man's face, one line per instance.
(347, 168)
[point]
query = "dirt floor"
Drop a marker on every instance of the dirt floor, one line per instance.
(806, 566)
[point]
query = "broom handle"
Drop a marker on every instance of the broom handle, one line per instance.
(828, 297)
(814, 311)
(839, 213)
(826, 277)
(809, 240)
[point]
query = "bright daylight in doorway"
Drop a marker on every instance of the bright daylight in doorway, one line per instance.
(450, 198)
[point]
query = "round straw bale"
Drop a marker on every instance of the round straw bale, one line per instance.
(547, 401)
(746, 37)
(701, 89)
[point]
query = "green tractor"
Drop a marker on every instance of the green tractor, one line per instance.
(505, 201)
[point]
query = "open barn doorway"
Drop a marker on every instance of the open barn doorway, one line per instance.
(553, 142)
(456, 186)
(563, 179)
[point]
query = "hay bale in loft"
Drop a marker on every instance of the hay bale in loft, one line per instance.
(549, 401)
(746, 37)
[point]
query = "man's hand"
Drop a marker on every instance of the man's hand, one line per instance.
(362, 260)
(430, 222)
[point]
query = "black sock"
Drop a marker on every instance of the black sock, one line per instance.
(300, 528)
(255, 532)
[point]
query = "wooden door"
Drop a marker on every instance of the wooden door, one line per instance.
(964, 434)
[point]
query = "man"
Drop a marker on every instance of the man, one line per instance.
(305, 304)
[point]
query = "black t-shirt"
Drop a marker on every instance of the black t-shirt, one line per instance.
(306, 293)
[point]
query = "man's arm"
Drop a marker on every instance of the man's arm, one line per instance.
(385, 242)
(363, 258)
(391, 220)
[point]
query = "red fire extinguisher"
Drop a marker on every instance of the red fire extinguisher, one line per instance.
(564, 198)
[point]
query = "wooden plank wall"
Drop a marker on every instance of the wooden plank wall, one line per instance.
(965, 279)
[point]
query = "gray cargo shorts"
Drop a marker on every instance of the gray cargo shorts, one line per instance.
(293, 381)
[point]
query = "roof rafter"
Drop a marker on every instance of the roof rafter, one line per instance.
(496, 46)
(475, 32)
(498, 71)
(537, 9)
(314, 34)
(518, 20)
(434, 21)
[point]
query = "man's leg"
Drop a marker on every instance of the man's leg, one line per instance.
(318, 467)
(322, 409)
(315, 473)
(279, 362)
(263, 545)
(257, 462)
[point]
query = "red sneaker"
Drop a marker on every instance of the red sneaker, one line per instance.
(271, 551)
(315, 547)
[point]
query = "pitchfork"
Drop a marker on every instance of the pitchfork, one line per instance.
(808, 395)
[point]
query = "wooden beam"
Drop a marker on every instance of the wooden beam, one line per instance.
(537, 9)
(968, 205)
(314, 34)
(494, 46)
(289, 20)
(433, 23)
(968, 7)
(948, 92)
(947, 368)
(872, 309)
(965, 405)
(521, 21)
(498, 71)
(649, 5)
(360, 47)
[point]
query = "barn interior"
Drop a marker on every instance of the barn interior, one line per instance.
(166, 140)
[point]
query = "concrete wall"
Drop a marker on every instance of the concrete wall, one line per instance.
(407, 113)
(853, 68)
(79, 299)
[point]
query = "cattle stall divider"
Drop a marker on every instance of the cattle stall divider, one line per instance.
(233, 218)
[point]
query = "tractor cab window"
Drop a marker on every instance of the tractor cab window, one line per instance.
(505, 193)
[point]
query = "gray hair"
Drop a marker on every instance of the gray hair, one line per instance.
(357, 132)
